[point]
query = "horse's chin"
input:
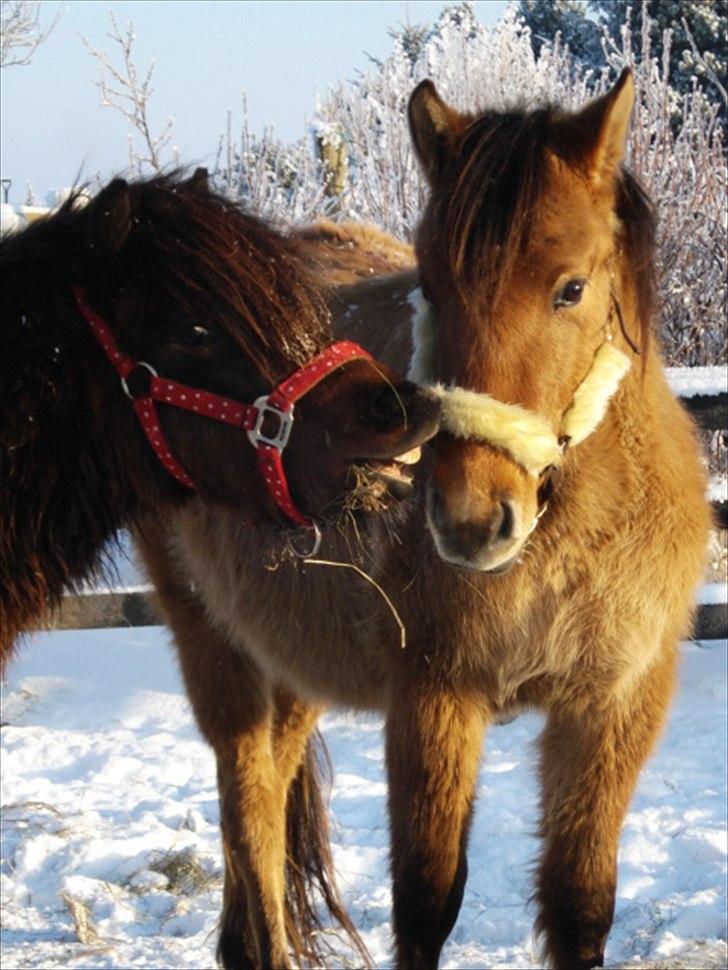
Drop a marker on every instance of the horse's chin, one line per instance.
(487, 564)
(474, 566)
(378, 482)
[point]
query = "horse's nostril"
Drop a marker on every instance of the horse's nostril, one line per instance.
(387, 407)
(504, 529)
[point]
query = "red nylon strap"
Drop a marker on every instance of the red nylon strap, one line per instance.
(309, 375)
(173, 394)
(283, 398)
(270, 462)
(123, 364)
(202, 402)
(147, 414)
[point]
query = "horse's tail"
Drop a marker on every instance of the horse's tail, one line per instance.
(310, 868)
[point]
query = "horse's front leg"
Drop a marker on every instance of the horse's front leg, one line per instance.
(252, 815)
(234, 708)
(591, 753)
(433, 748)
(255, 771)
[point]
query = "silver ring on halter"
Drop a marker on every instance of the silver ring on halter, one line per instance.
(315, 547)
(139, 363)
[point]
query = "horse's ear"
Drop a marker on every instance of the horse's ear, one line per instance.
(110, 217)
(200, 180)
(598, 133)
(433, 126)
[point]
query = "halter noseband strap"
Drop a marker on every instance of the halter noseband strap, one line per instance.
(526, 436)
(249, 417)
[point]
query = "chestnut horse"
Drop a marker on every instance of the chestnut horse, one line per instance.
(552, 563)
(168, 274)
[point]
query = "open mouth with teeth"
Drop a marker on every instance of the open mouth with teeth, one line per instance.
(376, 480)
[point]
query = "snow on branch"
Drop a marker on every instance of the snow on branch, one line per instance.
(702, 62)
(21, 31)
(129, 92)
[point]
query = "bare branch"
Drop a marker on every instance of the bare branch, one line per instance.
(123, 90)
(21, 32)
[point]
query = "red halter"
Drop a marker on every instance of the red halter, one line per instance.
(249, 417)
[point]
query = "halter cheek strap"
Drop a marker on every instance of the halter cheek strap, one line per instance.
(525, 435)
(249, 417)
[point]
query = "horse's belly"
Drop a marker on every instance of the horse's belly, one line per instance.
(316, 667)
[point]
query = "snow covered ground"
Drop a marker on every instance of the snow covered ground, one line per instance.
(110, 854)
(691, 381)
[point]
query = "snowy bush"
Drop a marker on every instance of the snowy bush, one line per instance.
(682, 165)
(283, 183)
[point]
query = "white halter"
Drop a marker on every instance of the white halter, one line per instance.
(525, 435)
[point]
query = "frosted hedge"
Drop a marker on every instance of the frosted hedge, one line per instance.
(676, 148)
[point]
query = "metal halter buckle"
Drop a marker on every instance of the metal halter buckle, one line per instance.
(139, 363)
(285, 423)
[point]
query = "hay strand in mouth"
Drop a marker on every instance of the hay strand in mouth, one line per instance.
(375, 584)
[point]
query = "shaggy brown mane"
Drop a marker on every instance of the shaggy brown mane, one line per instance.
(186, 238)
(496, 180)
(266, 286)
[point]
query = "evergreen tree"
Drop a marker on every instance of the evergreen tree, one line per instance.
(569, 18)
(707, 23)
(580, 23)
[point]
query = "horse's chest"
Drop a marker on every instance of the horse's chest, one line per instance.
(308, 627)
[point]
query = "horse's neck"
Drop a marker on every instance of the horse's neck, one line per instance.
(63, 481)
(377, 314)
(646, 444)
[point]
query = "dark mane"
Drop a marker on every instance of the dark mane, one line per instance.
(251, 273)
(191, 240)
(496, 181)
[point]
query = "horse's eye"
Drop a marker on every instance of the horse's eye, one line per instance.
(194, 337)
(569, 294)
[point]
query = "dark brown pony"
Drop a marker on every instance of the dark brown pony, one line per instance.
(534, 250)
(209, 296)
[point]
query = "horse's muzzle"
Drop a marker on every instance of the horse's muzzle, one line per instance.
(403, 407)
(490, 543)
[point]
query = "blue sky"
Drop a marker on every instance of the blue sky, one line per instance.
(280, 53)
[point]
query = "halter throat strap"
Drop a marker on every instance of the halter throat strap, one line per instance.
(526, 436)
(145, 388)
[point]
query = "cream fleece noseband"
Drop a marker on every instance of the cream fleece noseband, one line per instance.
(525, 435)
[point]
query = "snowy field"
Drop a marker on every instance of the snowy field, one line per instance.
(110, 854)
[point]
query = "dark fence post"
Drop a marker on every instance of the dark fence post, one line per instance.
(711, 413)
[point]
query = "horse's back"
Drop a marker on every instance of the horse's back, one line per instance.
(377, 314)
(343, 253)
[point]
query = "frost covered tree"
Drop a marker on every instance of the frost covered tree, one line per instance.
(283, 183)
(696, 44)
(698, 41)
